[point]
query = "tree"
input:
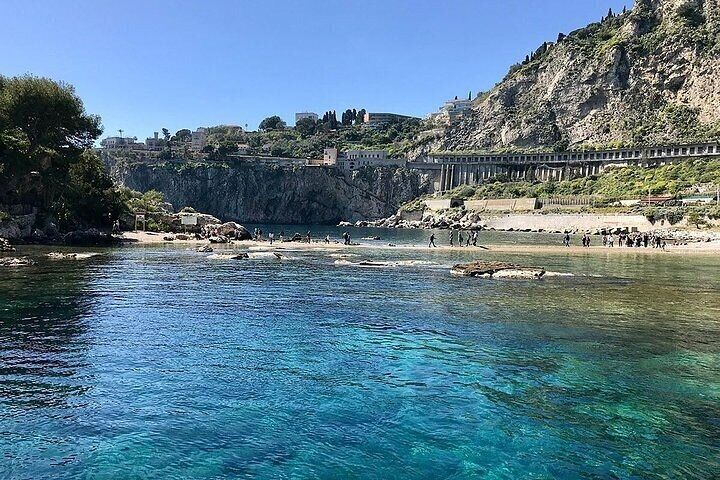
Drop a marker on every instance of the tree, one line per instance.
(166, 135)
(360, 118)
(90, 197)
(695, 218)
(183, 135)
(272, 123)
(44, 129)
(306, 127)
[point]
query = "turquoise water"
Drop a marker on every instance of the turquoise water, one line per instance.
(156, 362)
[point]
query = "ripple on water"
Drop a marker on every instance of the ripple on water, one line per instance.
(159, 362)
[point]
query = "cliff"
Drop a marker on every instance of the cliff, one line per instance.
(255, 193)
(647, 76)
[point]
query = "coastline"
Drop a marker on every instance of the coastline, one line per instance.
(700, 248)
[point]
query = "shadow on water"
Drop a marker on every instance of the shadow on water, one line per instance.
(44, 312)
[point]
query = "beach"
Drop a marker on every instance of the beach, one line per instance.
(700, 248)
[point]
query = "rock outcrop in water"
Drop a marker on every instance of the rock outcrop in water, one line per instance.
(497, 270)
(255, 193)
(651, 76)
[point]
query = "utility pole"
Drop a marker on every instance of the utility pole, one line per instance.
(121, 131)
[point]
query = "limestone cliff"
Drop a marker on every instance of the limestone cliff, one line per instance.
(254, 193)
(647, 76)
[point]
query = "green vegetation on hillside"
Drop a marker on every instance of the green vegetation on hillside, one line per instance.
(309, 139)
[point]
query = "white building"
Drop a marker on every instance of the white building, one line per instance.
(452, 111)
(311, 115)
(377, 119)
(355, 159)
(199, 139)
(121, 143)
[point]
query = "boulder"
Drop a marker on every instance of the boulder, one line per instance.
(218, 239)
(91, 236)
(497, 270)
(205, 248)
(235, 230)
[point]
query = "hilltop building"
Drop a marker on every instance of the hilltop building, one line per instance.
(120, 143)
(311, 115)
(452, 111)
(199, 139)
(374, 120)
(154, 143)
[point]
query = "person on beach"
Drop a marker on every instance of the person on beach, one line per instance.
(566, 239)
(467, 241)
(604, 240)
(460, 238)
(327, 238)
(308, 237)
(475, 237)
(611, 240)
(452, 234)
(432, 241)
(271, 236)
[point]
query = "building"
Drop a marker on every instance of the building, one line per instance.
(330, 157)
(118, 143)
(199, 139)
(155, 143)
(356, 159)
(374, 120)
(301, 115)
(452, 111)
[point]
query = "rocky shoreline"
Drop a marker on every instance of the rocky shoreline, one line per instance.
(461, 219)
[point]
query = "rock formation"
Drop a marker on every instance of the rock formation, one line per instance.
(497, 270)
(253, 193)
(648, 76)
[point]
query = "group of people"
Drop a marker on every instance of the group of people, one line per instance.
(463, 240)
(623, 240)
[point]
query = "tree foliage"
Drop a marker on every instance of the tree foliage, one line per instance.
(272, 123)
(45, 157)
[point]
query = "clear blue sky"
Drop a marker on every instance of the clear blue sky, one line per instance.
(144, 65)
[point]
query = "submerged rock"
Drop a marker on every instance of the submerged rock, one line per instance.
(16, 262)
(205, 249)
(229, 256)
(497, 270)
(70, 256)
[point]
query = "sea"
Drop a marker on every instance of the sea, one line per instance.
(160, 362)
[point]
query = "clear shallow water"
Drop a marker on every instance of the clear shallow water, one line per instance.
(155, 362)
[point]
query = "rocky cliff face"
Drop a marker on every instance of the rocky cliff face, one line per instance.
(267, 194)
(647, 76)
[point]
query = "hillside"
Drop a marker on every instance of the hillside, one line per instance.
(650, 75)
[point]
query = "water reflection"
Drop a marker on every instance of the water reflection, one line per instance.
(159, 362)
(43, 322)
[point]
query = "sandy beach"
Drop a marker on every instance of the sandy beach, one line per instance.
(700, 248)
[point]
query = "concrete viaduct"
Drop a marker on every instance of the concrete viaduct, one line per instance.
(452, 169)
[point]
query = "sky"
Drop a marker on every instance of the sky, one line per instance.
(147, 64)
